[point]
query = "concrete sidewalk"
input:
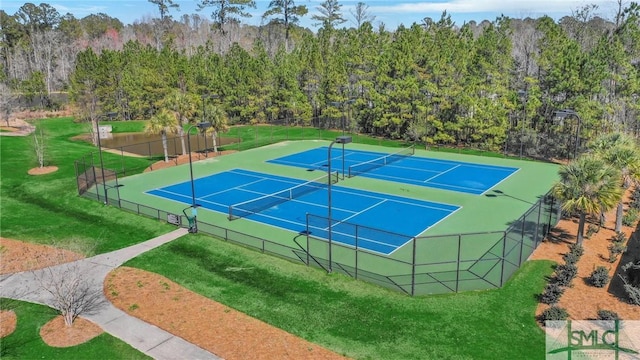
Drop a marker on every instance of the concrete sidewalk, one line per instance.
(149, 339)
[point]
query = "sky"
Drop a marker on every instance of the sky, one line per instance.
(391, 13)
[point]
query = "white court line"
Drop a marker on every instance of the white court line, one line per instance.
(442, 173)
(188, 197)
(361, 211)
(396, 200)
(233, 188)
(518, 169)
(361, 239)
(317, 164)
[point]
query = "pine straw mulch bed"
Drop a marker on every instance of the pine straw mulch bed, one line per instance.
(159, 301)
(18, 256)
(581, 300)
(212, 326)
(233, 335)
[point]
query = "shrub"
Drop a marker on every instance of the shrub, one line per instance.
(619, 237)
(566, 273)
(633, 293)
(616, 249)
(576, 249)
(617, 246)
(607, 315)
(630, 218)
(554, 313)
(631, 279)
(635, 198)
(570, 258)
(592, 229)
(599, 277)
(551, 293)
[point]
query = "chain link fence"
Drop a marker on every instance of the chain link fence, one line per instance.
(462, 262)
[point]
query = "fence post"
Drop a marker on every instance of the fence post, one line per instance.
(413, 269)
(356, 271)
(307, 229)
(458, 262)
(121, 160)
(504, 247)
(95, 177)
(540, 207)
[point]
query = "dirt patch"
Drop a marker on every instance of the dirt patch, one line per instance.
(55, 333)
(16, 256)
(225, 332)
(8, 322)
(43, 170)
(581, 300)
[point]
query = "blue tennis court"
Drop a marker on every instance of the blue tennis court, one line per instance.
(401, 167)
(285, 202)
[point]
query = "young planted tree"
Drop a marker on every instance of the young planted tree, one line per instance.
(587, 186)
(71, 290)
(163, 123)
(72, 293)
(39, 145)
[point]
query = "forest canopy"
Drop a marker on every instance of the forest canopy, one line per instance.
(480, 85)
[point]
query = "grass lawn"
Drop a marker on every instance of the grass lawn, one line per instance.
(25, 342)
(47, 208)
(347, 316)
(353, 318)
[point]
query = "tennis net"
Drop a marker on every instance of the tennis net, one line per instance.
(366, 166)
(253, 206)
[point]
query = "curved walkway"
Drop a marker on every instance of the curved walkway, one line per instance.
(149, 339)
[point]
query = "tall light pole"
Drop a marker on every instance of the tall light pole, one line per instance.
(563, 114)
(339, 140)
(340, 105)
(522, 94)
(202, 126)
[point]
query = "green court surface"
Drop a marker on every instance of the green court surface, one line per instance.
(494, 211)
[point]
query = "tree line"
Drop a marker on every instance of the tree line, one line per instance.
(490, 85)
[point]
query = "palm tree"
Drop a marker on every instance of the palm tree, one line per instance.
(607, 141)
(218, 119)
(619, 151)
(587, 186)
(162, 123)
(184, 105)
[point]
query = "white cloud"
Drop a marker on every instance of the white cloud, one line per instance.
(79, 10)
(485, 6)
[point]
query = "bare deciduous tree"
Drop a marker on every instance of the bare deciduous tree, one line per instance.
(73, 292)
